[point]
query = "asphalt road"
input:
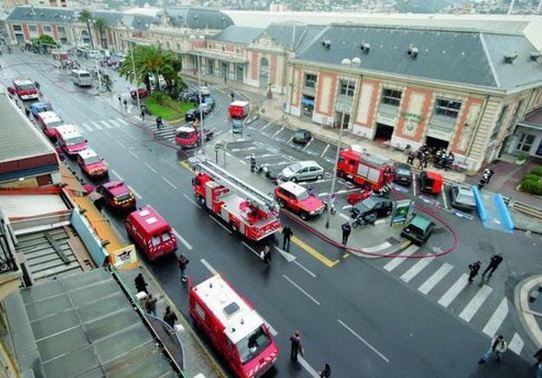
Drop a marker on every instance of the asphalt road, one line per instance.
(356, 316)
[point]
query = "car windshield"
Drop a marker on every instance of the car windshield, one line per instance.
(124, 197)
(402, 171)
(75, 140)
(466, 196)
(184, 134)
(295, 167)
(369, 203)
(252, 345)
(92, 160)
(84, 75)
(25, 87)
(53, 125)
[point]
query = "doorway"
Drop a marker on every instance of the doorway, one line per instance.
(436, 143)
(383, 132)
(342, 120)
(240, 73)
(264, 73)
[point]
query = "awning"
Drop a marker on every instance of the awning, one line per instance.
(307, 101)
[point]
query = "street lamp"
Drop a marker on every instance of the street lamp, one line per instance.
(345, 62)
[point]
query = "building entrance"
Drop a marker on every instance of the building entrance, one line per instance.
(383, 132)
(436, 143)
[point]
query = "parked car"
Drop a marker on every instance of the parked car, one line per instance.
(297, 199)
(462, 197)
(303, 170)
(142, 92)
(95, 54)
(209, 101)
(380, 207)
(205, 90)
(418, 229)
(302, 136)
(189, 95)
(117, 196)
(92, 164)
(403, 174)
(192, 115)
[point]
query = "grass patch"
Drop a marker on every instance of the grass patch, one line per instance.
(169, 109)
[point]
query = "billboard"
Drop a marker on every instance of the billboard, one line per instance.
(402, 210)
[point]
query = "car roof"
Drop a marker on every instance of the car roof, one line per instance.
(293, 188)
(308, 163)
(421, 222)
(22, 81)
(403, 166)
(88, 153)
(49, 116)
(185, 129)
(463, 189)
(67, 129)
(40, 104)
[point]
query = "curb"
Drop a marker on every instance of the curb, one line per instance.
(525, 315)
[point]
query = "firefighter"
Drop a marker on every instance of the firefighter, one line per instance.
(266, 254)
(183, 262)
(252, 163)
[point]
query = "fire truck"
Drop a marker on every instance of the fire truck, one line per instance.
(365, 169)
(233, 327)
(244, 208)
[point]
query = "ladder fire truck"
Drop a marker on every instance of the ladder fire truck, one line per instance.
(366, 169)
(244, 208)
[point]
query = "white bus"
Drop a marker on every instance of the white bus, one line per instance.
(82, 78)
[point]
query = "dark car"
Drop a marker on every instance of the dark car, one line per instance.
(462, 198)
(418, 230)
(192, 115)
(302, 136)
(380, 207)
(403, 174)
(209, 101)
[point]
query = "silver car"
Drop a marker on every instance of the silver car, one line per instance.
(462, 197)
(304, 170)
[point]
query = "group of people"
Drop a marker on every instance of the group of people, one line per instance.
(494, 263)
(296, 350)
(441, 158)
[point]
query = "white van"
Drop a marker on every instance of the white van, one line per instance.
(82, 78)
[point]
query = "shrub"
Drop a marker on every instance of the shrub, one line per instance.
(536, 171)
(530, 177)
(159, 97)
(530, 186)
(522, 157)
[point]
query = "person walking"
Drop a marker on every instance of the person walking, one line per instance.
(346, 229)
(252, 163)
(474, 269)
(183, 262)
(142, 112)
(295, 346)
(125, 103)
(120, 100)
(490, 173)
(266, 254)
(140, 284)
(483, 181)
(150, 305)
(232, 95)
(170, 318)
(159, 123)
(498, 347)
(326, 371)
(493, 265)
(286, 236)
(410, 157)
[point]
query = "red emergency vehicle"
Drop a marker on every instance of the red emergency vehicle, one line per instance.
(150, 232)
(189, 136)
(49, 121)
(233, 327)
(245, 209)
(92, 164)
(117, 196)
(70, 141)
(238, 109)
(25, 89)
(365, 169)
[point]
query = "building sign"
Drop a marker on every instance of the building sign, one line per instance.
(402, 210)
(386, 119)
(124, 258)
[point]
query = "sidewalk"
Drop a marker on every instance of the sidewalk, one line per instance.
(530, 313)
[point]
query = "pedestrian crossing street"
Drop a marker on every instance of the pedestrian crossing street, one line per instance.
(477, 303)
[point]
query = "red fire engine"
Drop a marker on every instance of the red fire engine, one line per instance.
(244, 208)
(233, 327)
(365, 169)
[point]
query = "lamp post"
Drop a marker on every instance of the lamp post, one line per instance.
(200, 97)
(135, 75)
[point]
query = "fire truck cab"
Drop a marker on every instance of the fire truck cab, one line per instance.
(245, 209)
(92, 164)
(233, 327)
(365, 169)
(189, 136)
(117, 196)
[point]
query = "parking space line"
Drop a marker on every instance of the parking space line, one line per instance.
(169, 182)
(120, 144)
(307, 145)
(278, 132)
(307, 367)
(251, 249)
(516, 344)
(300, 289)
(133, 154)
(344, 216)
(444, 199)
(182, 240)
(414, 184)
(325, 150)
(116, 174)
(314, 253)
(151, 168)
(265, 127)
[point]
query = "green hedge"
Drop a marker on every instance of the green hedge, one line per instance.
(531, 186)
(536, 171)
(530, 177)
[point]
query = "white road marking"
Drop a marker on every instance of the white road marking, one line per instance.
(325, 150)
(133, 154)
(394, 263)
(97, 125)
(516, 344)
(115, 124)
(123, 121)
(116, 174)
(87, 126)
(380, 221)
(414, 183)
(346, 191)
(169, 182)
(416, 268)
(347, 207)
(263, 128)
(220, 224)
(191, 200)
(305, 269)
(290, 140)
(344, 216)
(363, 340)
(288, 256)
(435, 278)
(301, 289)
(278, 132)
(107, 125)
(208, 266)
(150, 167)
(454, 291)
(133, 191)
(444, 199)
(323, 194)
(307, 367)
(475, 303)
(182, 240)
(377, 248)
(495, 322)
(307, 145)
(120, 144)
(251, 249)
(107, 134)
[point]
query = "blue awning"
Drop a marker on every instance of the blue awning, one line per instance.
(307, 101)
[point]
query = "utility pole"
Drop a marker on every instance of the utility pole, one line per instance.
(200, 103)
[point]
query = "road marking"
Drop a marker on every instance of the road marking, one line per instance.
(133, 191)
(377, 248)
(122, 121)
(444, 199)
(192, 201)
(115, 124)
(107, 134)
(209, 267)
(251, 249)
(120, 144)
(495, 322)
(323, 194)
(278, 132)
(416, 268)
(290, 140)
(133, 154)
(86, 126)
(185, 165)
(97, 125)
(454, 291)
(414, 183)
(380, 221)
(307, 367)
(220, 224)
(435, 278)
(516, 344)
(346, 191)
(325, 150)
(394, 263)
(116, 174)
(344, 216)
(107, 125)
(169, 182)
(307, 145)
(288, 256)
(475, 303)
(150, 167)
(263, 128)
(183, 240)
(363, 340)
(301, 289)
(305, 269)
(313, 252)
(347, 207)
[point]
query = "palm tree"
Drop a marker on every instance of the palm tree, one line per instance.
(101, 26)
(86, 17)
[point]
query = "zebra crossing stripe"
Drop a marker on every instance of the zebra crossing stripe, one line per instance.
(435, 278)
(87, 126)
(394, 263)
(454, 291)
(496, 320)
(97, 125)
(122, 121)
(107, 125)
(417, 268)
(115, 124)
(516, 344)
(475, 303)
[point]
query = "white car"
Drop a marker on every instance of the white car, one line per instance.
(205, 91)
(95, 54)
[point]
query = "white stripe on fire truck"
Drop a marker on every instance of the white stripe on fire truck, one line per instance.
(182, 240)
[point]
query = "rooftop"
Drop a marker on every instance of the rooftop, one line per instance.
(533, 119)
(237, 34)
(41, 14)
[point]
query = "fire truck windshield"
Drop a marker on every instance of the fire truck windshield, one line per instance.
(75, 140)
(252, 345)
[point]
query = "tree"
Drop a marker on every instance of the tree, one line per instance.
(86, 17)
(101, 26)
(46, 40)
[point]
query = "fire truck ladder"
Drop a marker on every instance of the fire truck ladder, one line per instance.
(225, 178)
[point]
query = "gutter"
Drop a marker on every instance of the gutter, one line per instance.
(469, 149)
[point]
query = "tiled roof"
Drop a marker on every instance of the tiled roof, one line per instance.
(237, 34)
(41, 14)
(111, 18)
(198, 18)
(137, 21)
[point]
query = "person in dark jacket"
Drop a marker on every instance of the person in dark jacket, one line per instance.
(346, 229)
(493, 264)
(326, 371)
(140, 284)
(295, 344)
(266, 254)
(183, 262)
(474, 269)
(150, 305)
(286, 236)
(169, 317)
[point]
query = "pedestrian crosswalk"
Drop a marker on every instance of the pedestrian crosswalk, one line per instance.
(110, 123)
(478, 303)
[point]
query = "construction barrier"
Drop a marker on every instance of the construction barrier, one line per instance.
(504, 213)
(482, 213)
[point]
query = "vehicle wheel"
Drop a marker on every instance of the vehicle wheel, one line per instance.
(355, 224)
(319, 177)
(304, 215)
(201, 200)
(293, 179)
(281, 203)
(388, 212)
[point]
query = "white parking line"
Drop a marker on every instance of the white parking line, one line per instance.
(86, 126)
(307, 145)
(325, 150)
(116, 174)
(475, 303)
(169, 182)
(323, 194)
(416, 268)
(133, 191)
(220, 224)
(363, 340)
(305, 269)
(150, 167)
(435, 278)
(208, 266)
(344, 216)
(454, 291)
(347, 207)
(120, 144)
(444, 199)
(495, 322)
(278, 132)
(182, 240)
(265, 127)
(394, 263)
(301, 289)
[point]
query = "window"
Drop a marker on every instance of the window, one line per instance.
(32, 28)
(347, 88)
(447, 108)
(310, 80)
(391, 97)
(17, 28)
(47, 29)
(525, 142)
(237, 51)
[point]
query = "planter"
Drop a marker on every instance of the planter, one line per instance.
(520, 162)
